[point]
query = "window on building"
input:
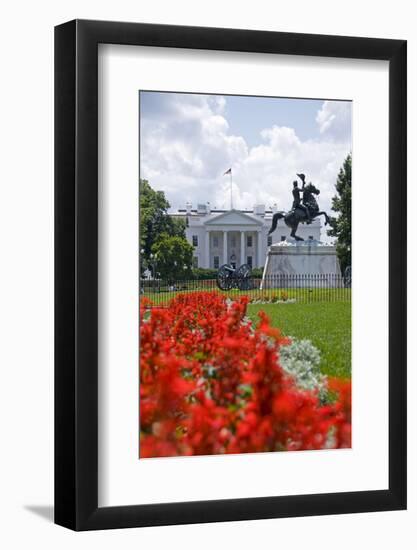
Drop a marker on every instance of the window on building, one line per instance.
(269, 240)
(283, 237)
(215, 241)
(249, 261)
(216, 262)
(195, 261)
(195, 240)
(311, 237)
(249, 240)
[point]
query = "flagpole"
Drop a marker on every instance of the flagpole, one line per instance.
(231, 186)
(231, 191)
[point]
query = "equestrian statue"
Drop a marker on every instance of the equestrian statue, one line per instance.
(303, 210)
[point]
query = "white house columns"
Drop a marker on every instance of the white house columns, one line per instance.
(242, 247)
(222, 238)
(225, 258)
(259, 249)
(207, 249)
(217, 236)
(255, 250)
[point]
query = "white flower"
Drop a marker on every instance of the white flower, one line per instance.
(301, 360)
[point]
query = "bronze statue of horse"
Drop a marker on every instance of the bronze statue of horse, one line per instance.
(296, 216)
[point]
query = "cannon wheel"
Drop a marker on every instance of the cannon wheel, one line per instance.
(243, 277)
(224, 277)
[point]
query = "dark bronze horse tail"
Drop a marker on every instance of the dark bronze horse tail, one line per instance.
(275, 218)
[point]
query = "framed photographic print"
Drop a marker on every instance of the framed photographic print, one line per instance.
(230, 275)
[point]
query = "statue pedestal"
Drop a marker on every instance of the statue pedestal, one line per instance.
(301, 264)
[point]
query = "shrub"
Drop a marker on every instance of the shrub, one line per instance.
(200, 273)
(257, 272)
(302, 360)
(211, 383)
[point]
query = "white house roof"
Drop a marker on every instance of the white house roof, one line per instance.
(233, 217)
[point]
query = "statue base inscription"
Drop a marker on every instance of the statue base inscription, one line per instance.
(296, 264)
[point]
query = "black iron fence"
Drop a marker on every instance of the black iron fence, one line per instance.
(277, 288)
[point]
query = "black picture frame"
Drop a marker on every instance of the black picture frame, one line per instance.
(76, 272)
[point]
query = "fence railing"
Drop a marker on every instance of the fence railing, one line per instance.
(276, 288)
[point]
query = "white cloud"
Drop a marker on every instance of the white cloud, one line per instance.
(186, 147)
(334, 120)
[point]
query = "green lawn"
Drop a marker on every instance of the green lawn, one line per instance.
(326, 324)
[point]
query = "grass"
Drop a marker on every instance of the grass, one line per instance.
(326, 324)
(320, 315)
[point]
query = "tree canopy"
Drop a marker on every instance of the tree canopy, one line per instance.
(341, 226)
(154, 218)
(173, 256)
(157, 227)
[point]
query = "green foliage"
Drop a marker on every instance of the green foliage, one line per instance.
(177, 227)
(155, 227)
(341, 226)
(154, 218)
(257, 272)
(173, 255)
(204, 274)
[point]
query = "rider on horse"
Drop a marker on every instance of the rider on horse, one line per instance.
(297, 201)
(302, 211)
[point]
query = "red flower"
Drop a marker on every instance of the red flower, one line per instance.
(210, 383)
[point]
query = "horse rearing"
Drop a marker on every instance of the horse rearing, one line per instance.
(296, 216)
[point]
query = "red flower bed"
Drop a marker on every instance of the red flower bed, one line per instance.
(211, 383)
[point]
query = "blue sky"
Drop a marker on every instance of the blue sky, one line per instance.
(188, 141)
(248, 116)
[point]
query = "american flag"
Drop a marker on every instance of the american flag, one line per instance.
(228, 172)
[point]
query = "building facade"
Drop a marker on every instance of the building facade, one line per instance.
(235, 236)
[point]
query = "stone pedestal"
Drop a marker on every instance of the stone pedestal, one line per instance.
(303, 263)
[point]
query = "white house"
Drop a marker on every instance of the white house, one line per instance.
(236, 236)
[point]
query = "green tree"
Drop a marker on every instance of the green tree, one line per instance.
(341, 226)
(178, 226)
(173, 257)
(155, 220)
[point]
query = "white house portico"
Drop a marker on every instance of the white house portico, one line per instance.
(232, 237)
(235, 236)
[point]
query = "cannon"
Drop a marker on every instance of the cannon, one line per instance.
(228, 277)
